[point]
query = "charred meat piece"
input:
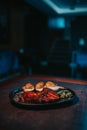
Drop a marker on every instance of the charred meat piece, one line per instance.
(47, 95)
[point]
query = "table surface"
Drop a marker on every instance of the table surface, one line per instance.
(72, 117)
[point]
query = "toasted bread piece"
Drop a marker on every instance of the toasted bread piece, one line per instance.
(53, 86)
(39, 86)
(28, 87)
(50, 83)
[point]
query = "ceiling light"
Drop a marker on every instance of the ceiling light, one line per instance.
(64, 10)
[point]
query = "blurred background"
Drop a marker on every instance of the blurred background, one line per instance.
(46, 37)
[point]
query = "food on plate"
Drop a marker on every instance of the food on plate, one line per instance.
(46, 95)
(42, 92)
(65, 94)
(53, 86)
(28, 87)
(50, 84)
(39, 86)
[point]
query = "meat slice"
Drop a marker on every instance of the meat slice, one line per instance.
(47, 95)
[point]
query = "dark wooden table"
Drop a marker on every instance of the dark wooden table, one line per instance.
(72, 117)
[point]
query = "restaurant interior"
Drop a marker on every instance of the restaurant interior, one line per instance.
(43, 64)
(44, 37)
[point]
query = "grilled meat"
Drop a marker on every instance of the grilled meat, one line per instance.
(47, 95)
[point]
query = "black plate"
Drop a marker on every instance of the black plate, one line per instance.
(56, 104)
